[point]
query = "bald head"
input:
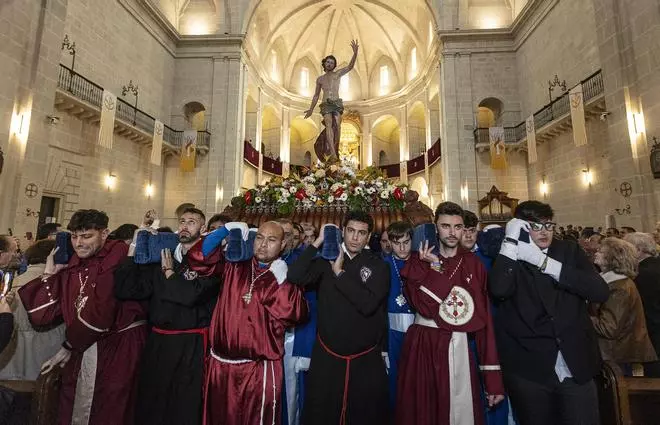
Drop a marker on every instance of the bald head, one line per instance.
(269, 242)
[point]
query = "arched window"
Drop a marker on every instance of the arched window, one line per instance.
(195, 114)
(382, 158)
(384, 79)
(344, 87)
(490, 112)
(413, 63)
(304, 81)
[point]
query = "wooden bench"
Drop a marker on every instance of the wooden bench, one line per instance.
(627, 400)
(42, 395)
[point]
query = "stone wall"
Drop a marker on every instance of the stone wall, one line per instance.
(563, 43)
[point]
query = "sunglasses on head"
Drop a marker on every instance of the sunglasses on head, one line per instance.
(537, 227)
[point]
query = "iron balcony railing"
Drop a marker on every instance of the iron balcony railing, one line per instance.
(90, 92)
(591, 87)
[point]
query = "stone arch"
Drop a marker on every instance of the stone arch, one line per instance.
(489, 112)
(195, 115)
(417, 129)
(270, 131)
(385, 133)
(302, 134)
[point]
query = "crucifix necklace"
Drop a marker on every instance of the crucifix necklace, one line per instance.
(400, 300)
(247, 297)
(81, 300)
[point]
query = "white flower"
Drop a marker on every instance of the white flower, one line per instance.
(310, 189)
(257, 200)
(335, 186)
(309, 179)
(307, 203)
(333, 168)
(359, 190)
(331, 199)
(292, 189)
(371, 190)
(343, 197)
(361, 182)
(285, 193)
(282, 200)
(320, 173)
(313, 198)
(384, 194)
(379, 183)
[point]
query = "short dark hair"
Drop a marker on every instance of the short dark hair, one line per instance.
(398, 230)
(123, 232)
(535, 211)
(181, 208)
(165, 229)
(448, 208)
(470, 219)
(219, 217)
(193, 210)
(5, 243)
(326, 58)
(361, 216)
(88, 220)
(629, 229)
(38, 252)
(299, 228)
(46, 229)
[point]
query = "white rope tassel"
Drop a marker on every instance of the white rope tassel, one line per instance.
(272, 371)
(263, 395)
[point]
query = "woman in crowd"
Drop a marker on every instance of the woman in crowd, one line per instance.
(620, 322)
(29, 348)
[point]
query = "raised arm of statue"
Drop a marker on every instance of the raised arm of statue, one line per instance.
(315, 99)
(351, 64)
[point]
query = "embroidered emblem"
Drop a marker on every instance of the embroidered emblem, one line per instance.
(190, 274)
(468, 279)
(365, 272)
(458, 308)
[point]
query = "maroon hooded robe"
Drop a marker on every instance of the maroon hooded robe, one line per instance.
(107, 336)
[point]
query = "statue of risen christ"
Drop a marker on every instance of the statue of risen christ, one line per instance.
(332, 107)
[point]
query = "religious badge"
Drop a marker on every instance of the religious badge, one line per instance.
(80, 302)
(190, 274)
(400, 300)
(458, 308)
(365, 272)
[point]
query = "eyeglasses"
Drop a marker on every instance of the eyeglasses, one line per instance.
(537, 227)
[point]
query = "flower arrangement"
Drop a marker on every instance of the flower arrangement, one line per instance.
(330, 184)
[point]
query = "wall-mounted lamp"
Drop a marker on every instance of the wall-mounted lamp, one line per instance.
(110, 181)
(149, 190)
(464, 192)
(543, 188)
(587, 177)
(638, 123)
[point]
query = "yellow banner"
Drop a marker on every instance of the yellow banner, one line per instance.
(188, 150)
(497, 148)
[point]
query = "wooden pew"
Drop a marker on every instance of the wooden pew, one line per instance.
(627, 400)
(43, 395)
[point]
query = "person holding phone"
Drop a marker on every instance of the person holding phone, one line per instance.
(546, 342)
(8, 251)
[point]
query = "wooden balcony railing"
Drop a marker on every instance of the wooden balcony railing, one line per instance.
(591, 87)
(90, 92)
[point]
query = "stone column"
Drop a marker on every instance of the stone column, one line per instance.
(285, 141)
(404, 148)
(226, 154)
(458, 162)
(258, 136)
(367, 143)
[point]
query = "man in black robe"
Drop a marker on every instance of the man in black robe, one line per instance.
(181, 291)
(347, 381)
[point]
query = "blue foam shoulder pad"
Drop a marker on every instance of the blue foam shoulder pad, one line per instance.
(213, 240)
(65, 251)
(149, 246)
(331, 243)
(424, 232)
(489, 242)
(235, 246)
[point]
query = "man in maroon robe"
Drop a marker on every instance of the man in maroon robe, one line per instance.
(438, 382)
(256, 305)
(104, 337)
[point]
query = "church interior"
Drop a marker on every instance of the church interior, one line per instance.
(130, 105)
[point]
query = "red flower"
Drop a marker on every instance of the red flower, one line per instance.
(338, 192)
(398, 194)
(300, 194)
(248, 197)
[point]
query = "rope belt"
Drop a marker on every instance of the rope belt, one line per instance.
(221, 359)
(344, 404)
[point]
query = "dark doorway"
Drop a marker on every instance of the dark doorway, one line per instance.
(49, 210)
